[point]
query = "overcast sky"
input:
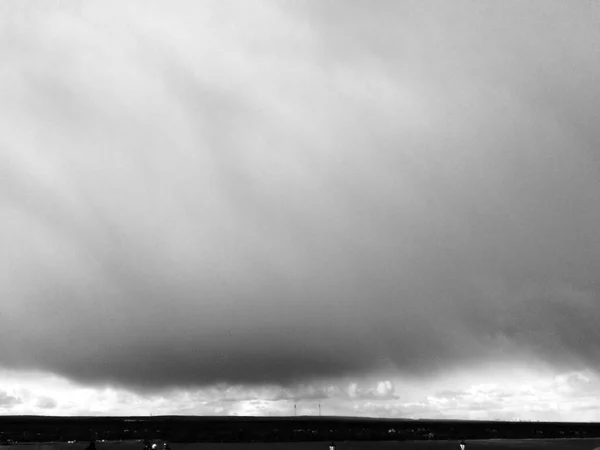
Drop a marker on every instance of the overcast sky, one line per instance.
(391, 208)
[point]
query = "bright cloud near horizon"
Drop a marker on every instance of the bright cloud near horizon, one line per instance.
(390, 209)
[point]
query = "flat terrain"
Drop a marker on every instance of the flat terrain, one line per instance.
(492, 444)
(125, 431)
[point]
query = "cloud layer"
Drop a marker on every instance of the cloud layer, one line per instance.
(281, 194)
(509, 394)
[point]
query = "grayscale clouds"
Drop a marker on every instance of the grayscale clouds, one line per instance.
(275, 193)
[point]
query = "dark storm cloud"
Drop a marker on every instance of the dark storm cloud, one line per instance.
(214, 194)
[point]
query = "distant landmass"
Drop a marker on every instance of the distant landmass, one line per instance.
(14, 429)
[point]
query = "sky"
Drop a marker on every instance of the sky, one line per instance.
(389, 209)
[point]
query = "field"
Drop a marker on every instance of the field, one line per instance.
(492, 444)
